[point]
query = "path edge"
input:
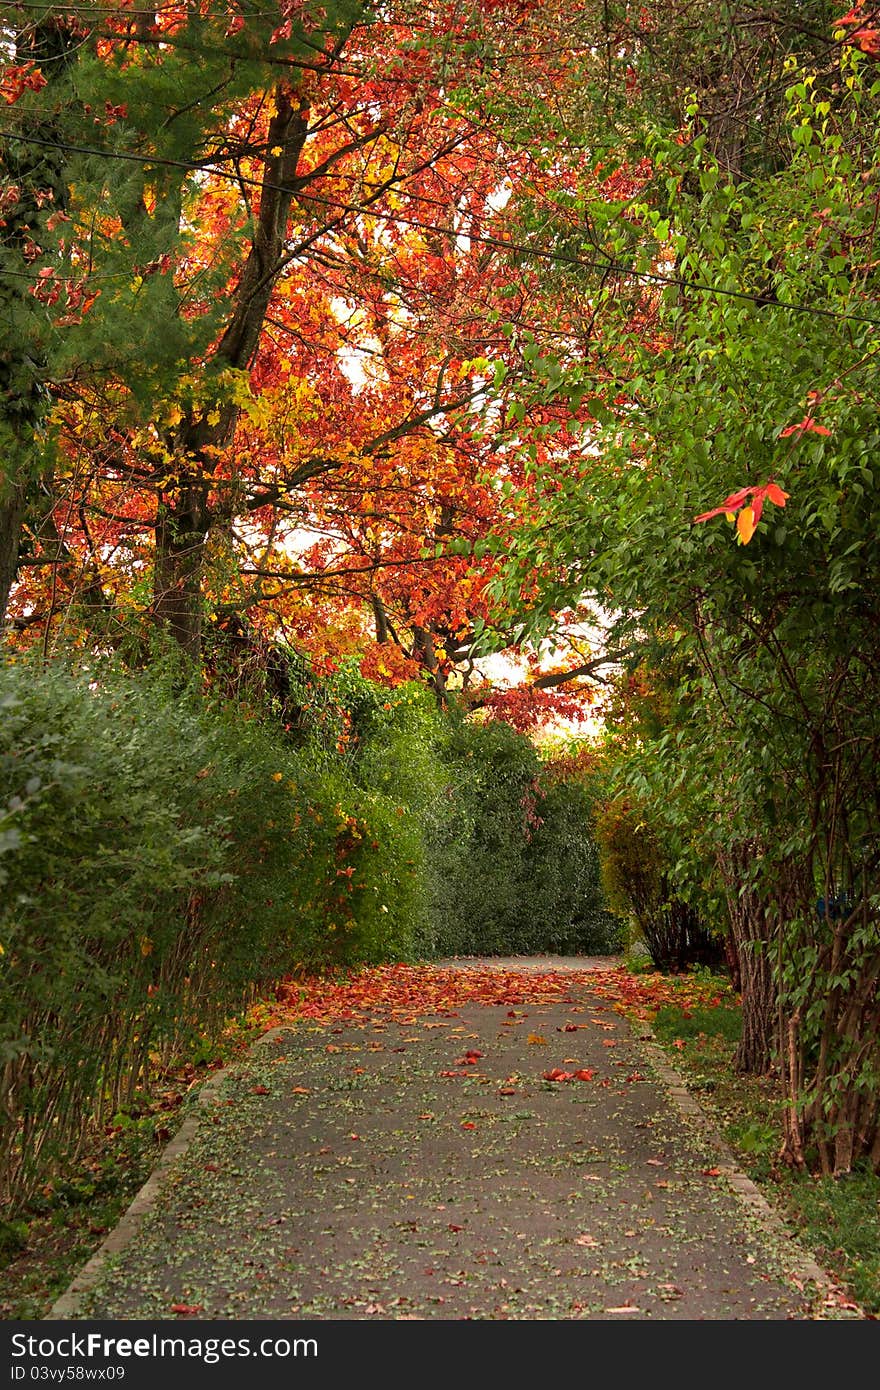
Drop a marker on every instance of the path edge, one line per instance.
(800, 1266)
(69, 1303)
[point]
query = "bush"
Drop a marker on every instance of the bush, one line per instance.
(512, 868)
(159, 861)
(636, 872)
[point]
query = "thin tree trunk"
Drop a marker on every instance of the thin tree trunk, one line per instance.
(751, 929)
(12, 509)
(181, 538)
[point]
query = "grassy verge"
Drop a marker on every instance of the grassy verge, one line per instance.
(838, 1219)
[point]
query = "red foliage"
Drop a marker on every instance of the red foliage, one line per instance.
(411, 993)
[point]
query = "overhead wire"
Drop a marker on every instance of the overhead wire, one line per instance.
(604, 266)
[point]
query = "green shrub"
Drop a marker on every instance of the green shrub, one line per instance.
(159, 861)
(510, 866)
(637, 875)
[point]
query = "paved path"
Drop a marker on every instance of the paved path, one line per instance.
(427, 1169)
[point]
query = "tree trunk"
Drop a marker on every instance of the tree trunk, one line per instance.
(751, 929)
(182, 526)
(183, 517)
(12, 508)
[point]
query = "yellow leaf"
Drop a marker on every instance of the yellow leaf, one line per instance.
(535, 1038)
(745, 525)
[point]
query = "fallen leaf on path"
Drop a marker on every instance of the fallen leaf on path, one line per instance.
(535, 1039)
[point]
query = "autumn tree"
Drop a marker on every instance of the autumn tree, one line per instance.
(300, 289)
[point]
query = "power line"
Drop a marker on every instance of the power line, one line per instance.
(605, 266)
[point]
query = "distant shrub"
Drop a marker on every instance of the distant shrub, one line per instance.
(636, 872)
(511, 867)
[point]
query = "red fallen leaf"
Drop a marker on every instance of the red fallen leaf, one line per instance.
(557, 1075)
(354, 1136)
(711, 1172)
(585, 1074)
(468, 1124)
(507, 1091)
(473, 1053)
(452, 1073)
(301, 1090)
(608, 1042)
(259, 1090)
(568, 1028)
(451, 1227)
(187, 1310)
(467, 1061)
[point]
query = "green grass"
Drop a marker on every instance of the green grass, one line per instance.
(837, 1219)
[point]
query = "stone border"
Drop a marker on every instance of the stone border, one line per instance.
(799, 1264)
(68, 1305)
